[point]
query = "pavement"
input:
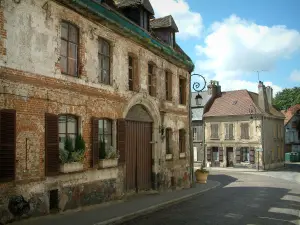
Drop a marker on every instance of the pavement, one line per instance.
(239, 200)
(118, 212)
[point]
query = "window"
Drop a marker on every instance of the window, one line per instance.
(130, 73)
(168, 141)
(171, 41)
(181, 141)
(7, 144)
(67, 127)
(104, 61)
(244, 130)
(168, 87)
(214, 131)
(245, 154)
(104, 136)
(151, 80)
(215, 151)
(69, 49)
(194, 133)
(182, 91)
(144, 19)
(229, 131)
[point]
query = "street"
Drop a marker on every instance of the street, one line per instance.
(243, 199)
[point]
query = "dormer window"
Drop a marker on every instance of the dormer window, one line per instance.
(144, 20)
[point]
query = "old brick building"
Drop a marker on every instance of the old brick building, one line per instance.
(109, 71)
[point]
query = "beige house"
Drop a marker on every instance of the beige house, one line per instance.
(243, 129)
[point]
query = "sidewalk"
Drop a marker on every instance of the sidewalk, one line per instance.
(121, 211)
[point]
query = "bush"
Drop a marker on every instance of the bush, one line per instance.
(71, 153)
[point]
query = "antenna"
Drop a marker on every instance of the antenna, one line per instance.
(258, 71)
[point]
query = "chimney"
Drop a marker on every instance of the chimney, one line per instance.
(214, 89)
(262, 97)
(269, 91)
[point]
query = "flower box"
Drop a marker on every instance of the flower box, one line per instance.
(169, 156)
(107, 163)
(71, 167)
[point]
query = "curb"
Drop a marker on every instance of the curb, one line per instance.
(151, 209)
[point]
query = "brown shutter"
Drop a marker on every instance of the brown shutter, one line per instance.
(247, 131)
(121, 137)
(252, 155)
(208, 154)
(51, 145)
(238, 155)
(95, 142)
(7, 144)
(226, 131)
(231, 131)
(221, 154)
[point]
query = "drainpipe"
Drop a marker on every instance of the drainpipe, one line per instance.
(190, 135)
(262, 140)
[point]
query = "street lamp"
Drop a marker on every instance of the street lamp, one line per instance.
(198, 86)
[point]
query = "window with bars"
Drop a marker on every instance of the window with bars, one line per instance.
(245, 131)
(194, 133)
(104, 61)
(151, 80)
(168, 141)
(69, 49)
(67, 127)
(182, 91)
(214, 131)
(181, 141)
(229, 132)
(104, 136)
(130, 73)
(168, 85)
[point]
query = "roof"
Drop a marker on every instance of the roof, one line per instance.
(197, 113)
(164, 22)
(133, 3)
(290, 113)
(238, 103)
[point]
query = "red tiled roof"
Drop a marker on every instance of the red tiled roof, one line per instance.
(232, 103)
(290, 113)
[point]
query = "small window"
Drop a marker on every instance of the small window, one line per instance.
(168, 141)
(105, 136)
(151, 80)
(245, 131)
(104, 61)
(168, 87)
(67, 127)
(214, 131)
(130, 73)
(181, 141)
(53, 200)
(69, 49)
(244, 154)
(182, 91)
(229, 131)
(194, 133)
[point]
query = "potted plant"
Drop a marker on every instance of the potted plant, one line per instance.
(108, 157)
(201, 174)
(72, 157)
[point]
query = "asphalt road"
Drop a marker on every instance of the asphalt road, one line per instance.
(242, 199)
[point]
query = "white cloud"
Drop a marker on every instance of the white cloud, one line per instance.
(189, 23)
(295, 76)
(236, 48)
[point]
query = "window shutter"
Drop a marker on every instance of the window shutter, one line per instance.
(242, 131)
(252, 155)
(226, 131)
(231, 131)
(52, 145)
(95, 142)
(170, 86)
(121, 139)
(247, 131)
(221, 154)
(7, 144)
(153, 78)
(238, 155)
(208, 154)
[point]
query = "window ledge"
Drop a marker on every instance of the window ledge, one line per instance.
(169, 157)
(108, 163)
(182, 155)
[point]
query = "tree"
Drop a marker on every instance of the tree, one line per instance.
(287, 98)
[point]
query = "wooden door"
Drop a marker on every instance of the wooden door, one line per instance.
(229, 156)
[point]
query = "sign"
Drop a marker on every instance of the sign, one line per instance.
(259, 150)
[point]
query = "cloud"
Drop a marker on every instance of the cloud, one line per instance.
(189, 23)
(235, 48)
(295, 76)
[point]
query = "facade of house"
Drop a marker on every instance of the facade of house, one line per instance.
(71, 68)
(243, 129)
(292, 128)
(197, 125)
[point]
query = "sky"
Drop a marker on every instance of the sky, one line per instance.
(232, 41)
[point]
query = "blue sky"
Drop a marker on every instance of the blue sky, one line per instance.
(229, 40)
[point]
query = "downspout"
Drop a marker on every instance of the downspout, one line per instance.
(263, 141)
(190, 135)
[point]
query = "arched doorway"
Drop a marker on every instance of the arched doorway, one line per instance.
(138, 156)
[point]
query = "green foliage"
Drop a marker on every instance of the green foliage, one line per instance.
(287, 98)
(70, 153)
(102, 152)
(202, 169)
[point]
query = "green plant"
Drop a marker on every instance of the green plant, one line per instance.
(72, 153)
(102, 152)
(202, 169)
(111, 153)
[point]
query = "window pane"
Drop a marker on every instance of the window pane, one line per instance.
(108, 142)
(73, 34)
(72, 125)
(62, 124)
(64, 30)
(130, 84)
(72, 67)
(105, 48)
(64, 48)
(100, 126)
(130, 61)
(107, 126)
(72, 50)
(106, 63)
(150, 68)
(72, 137)
(105, 77)
(62, 138)
(63, 64)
